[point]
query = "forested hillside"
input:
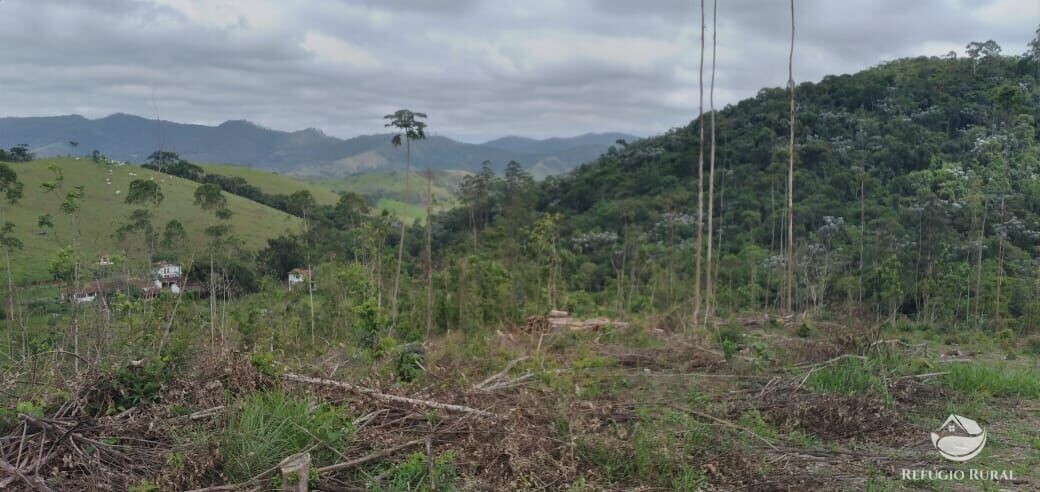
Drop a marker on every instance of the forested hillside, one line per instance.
(916, 192)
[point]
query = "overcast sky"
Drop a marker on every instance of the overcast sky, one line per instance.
(481, 69)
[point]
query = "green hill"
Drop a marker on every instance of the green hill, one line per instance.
(916, 193)
(386, 190)
(272, 182)
(104, 209)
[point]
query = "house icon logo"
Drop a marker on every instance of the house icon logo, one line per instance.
(959, 438)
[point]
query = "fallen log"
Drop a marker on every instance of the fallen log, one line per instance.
(483, 384)
(386, 397)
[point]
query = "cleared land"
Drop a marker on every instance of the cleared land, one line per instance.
(754, 404)
(104, 209)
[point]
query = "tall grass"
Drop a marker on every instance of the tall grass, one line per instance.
(266, 427)
(989, 379)
(859, 375)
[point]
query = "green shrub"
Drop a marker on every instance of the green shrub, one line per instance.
(266, 427)
(134, 384)
(418, 474)
(144, 486)
(409, 362)
(264, 363)
(371, 323)
(730, 339)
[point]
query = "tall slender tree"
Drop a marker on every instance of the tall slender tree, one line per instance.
(12, 189)
(408, 125)
(209, 197)
(710, 286)
(301, 203)
(149, 193)
(700, 187)
(789, 281)
(428, 260)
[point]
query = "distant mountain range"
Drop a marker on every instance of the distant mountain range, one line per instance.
(305, 153)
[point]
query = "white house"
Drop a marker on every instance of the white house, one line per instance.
(83, 297)
(298, 275)
(87, 293)
(166, 271)
(105, 260)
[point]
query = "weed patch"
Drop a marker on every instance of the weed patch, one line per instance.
(420, 473)
(978, 379)
(266, 427)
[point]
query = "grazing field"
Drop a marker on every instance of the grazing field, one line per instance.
(382, 190)
(274, 183)
(104, 209)
(386, 190)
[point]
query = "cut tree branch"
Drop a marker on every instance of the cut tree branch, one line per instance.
(383, 396)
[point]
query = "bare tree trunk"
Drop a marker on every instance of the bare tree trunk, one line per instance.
(10, 303)
(722, 216)
(772, 245)
(212, 300)
(400, 245)
(789, 293)
(710, 290)
(1000, 266)
(862, 231)
(310, 271)
(700, 187)
(429, 250)
(978, 266)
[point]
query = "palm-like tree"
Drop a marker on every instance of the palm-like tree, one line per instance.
(408, 124)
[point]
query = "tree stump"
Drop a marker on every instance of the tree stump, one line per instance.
(296, 472)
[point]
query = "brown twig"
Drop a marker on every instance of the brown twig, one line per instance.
(482, 385)
(367, 458)
(33, 481)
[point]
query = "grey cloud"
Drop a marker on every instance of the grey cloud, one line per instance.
(481, 68)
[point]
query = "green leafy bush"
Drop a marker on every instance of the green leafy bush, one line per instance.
(134, 384)
(418, 474)
(409, 362)
(730, 340)
(264, 363)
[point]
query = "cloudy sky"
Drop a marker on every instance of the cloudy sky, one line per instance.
(480, 68)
